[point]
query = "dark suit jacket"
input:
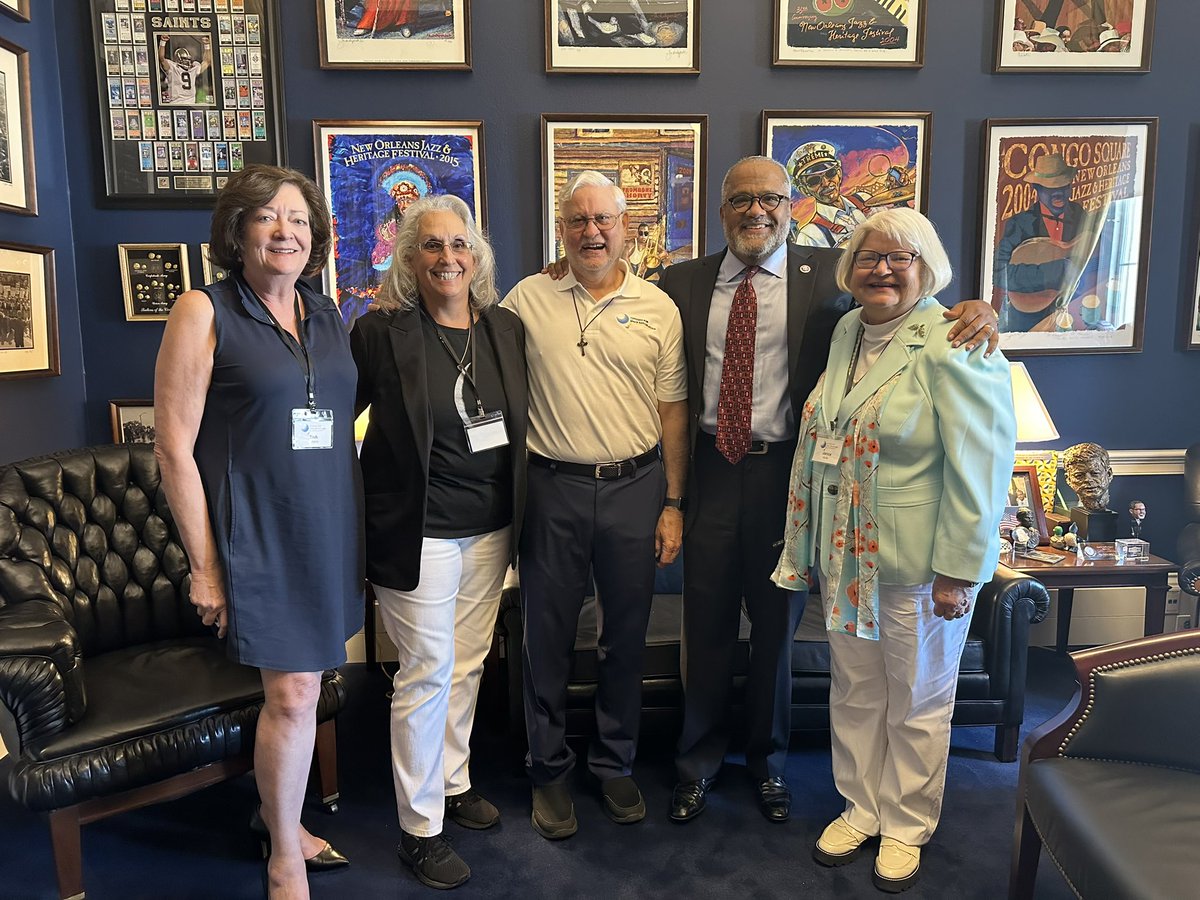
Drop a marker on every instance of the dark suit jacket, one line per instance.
(390, 354)
(815, 304)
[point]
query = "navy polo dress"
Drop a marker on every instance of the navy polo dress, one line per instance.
(288, 523)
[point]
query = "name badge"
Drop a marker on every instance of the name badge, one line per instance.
(829, 449)
(486, 431)
(312, 429)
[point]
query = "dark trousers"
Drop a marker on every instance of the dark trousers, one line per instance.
(573, 523)
(730, 548)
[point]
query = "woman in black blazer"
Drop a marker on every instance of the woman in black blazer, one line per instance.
(443, 370)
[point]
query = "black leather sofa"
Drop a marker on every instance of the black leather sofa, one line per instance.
(113, 694)
(991, 682)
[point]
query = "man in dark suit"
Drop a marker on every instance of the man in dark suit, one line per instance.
(757, 320)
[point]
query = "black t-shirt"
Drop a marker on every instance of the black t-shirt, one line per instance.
(469, 493)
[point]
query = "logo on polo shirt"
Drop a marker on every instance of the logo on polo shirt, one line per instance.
(626, 320)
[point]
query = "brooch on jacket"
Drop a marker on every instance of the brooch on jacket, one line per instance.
(919, 329)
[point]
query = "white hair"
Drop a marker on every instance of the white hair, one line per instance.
(590, 178)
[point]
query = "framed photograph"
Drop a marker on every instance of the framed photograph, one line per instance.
(132, 421)
(1193, 341)
(371, 172)
(18, 185)
(28, 315)
(209, 270)
(845, 166)
(879, 33)
(657, 37)
(152, 278)
(1066, 232)
(18, 9)
(394, 34)
(658, 161)
(185, 100)
(1023, 491)
(1074, 35)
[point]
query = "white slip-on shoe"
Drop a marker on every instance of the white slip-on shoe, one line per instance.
(896, 866)
(839, 843)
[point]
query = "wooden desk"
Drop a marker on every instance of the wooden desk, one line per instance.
(1074, 573)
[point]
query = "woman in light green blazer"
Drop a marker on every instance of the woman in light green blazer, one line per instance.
(898, 485)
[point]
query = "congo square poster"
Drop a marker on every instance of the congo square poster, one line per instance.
(843, 167)
(371, 172)
(884, 33)
(1066, 232)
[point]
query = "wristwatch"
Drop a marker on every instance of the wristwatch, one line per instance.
(674, 503)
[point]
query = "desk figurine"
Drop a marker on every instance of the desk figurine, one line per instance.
(1137, 517)
(1025, 536)
(1089, 474)
(1064, 540)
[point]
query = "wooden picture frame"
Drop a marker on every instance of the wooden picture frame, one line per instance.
(176, 124)
(28, 312)
(1083, 37)
(411, 35)
(1024, 490)
(18, 181)
(152, 278)
(850, 33)
(18, 9)
(209, 270)
(650, 37)
(659, 162)
(879, 160)
(1076, 282)
(370, 172)
(132, 421)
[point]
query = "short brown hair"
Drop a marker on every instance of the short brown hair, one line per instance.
(251, 188)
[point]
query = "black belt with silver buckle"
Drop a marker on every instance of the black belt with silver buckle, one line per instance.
(609, 471)
(757, 448)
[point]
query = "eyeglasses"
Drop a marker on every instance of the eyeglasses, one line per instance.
(434, 247)
(742, 202)
(815, 180)
(897, 260)
(604, 221)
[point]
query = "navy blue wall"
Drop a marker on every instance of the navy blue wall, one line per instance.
(1126, 401)
(38, 415)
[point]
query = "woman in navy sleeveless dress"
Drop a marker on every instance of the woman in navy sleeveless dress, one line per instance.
(254, 389)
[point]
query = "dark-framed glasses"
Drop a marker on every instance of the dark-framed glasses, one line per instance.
(816, 179)
(434, 247)
(604, 221)
(768, 201)
(897, 260)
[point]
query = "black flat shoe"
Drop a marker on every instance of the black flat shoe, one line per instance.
(689, 799)
(775, 799)
(325, 860)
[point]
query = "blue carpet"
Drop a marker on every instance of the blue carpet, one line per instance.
(198, 847)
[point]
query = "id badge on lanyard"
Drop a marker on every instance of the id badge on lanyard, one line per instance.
(312, 429)
(486, 431)
(828, 449)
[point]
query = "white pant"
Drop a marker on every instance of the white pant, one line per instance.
(890, 704)
(442, 631)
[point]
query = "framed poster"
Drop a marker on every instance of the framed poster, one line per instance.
(844, 166)
(152, 278)
(186, 97)
(18, 9)
(658, 161)
(28, 315)
(209, 270)
(1066, 232)
(394, 34)
(1193, 340)
(132, 421)
(880, 33)
(18, 185)
(648, 36)
(371, 172)
(1074, 35)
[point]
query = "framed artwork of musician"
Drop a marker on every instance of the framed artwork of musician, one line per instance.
(846, 165)
(28, 314)
(394, 34)
(1074, 35)
(658, 161)
(654, 37)
(1066, 232)
(870, 33)
(187, 97)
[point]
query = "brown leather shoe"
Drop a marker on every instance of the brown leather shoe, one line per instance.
(689, 799)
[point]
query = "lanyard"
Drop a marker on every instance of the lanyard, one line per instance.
(850, 371)
(464, 371)
(310, 375)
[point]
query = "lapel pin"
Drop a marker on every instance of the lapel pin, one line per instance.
(919, 329)
(806, 268)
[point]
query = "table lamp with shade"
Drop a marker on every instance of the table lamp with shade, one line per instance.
(1034, 426)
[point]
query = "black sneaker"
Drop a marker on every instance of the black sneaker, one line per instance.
(623, 801)
(433, 860)
(553, 812)
(471, 811)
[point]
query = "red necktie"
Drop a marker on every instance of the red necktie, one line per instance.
(737, 372)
